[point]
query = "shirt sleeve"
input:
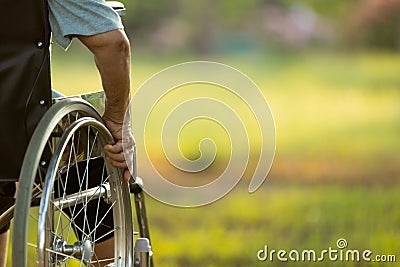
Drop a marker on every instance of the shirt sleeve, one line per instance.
(80, 17)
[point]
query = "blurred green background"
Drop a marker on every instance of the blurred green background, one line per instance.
(330, 73)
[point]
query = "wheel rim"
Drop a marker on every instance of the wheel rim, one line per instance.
(38, 142)
(54, 246)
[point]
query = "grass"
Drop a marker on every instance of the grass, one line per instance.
(335, 173)
(231, 231)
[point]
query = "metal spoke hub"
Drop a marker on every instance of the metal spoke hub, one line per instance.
(79, 250)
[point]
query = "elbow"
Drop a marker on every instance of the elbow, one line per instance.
(121, 44)
(108, 43)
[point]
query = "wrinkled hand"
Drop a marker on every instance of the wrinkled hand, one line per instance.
(115, 152)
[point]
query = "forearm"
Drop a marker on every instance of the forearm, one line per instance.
(111, 51)
(114, 68)
(112, 56)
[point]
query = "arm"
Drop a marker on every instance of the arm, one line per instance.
(111, 52)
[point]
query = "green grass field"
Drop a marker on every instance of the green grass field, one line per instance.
(232, 231)
(335, 175)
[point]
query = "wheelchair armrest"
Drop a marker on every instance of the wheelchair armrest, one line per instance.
(118, 7)
(96, 99)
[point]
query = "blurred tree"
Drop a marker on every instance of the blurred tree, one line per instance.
(144, 15)
(201, 26)
(376, 24)
(334, 9)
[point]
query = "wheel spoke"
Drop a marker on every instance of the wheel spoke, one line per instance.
(74, 140)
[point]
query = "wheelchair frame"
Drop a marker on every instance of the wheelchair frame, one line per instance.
(49, 127)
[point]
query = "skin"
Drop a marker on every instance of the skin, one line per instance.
(111, 52)
(104, 250)
(3, 248)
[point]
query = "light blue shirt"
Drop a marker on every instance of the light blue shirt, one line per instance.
(80, 17)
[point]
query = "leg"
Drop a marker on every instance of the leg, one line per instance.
(106, 250)
(7, 191)
(97, 215)
(3, 248)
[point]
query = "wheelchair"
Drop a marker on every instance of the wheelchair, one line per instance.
(69, 198)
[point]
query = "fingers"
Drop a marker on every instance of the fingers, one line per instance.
(115, 153)
(120, 163)
(115, 156)
(114, 149)
(127, 175)
(117, 164)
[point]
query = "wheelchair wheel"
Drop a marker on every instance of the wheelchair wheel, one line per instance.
(83, 200)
